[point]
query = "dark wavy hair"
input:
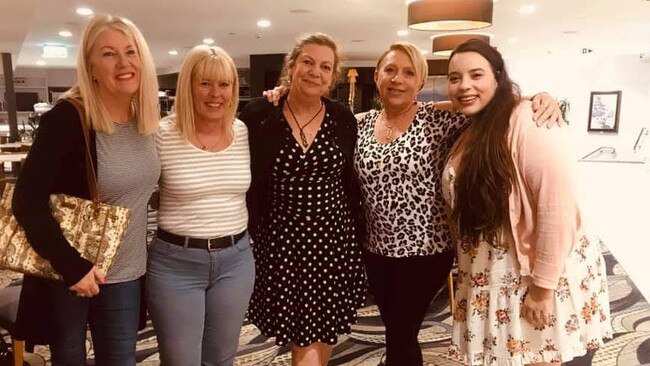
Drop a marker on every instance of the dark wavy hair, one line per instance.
(486, 172)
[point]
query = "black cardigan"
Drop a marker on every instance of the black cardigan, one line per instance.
(56, 163)
(265, 134)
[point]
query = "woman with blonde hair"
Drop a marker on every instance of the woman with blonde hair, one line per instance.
(304, 208)
(200, 267)
(117, 88)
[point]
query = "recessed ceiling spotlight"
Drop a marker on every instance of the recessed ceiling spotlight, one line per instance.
(208, 40)
(173, 52)
(513, 40)
(65, 33)
(40, 63)
(85, 11)
(402, 33)
(527, 9)
(263, 23)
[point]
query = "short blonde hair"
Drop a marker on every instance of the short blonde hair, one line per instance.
(320, 39)
(145, 102)
(203, 63)
(414, 54)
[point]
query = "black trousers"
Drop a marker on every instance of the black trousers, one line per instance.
(403, 289)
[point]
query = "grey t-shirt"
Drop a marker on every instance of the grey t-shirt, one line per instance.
(128, 171)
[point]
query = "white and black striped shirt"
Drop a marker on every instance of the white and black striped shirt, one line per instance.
(127, 172)
(202, 193)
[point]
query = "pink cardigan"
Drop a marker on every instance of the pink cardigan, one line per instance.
(544, 210)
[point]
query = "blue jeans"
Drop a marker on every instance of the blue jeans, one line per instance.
(197, 300)
(113, 316)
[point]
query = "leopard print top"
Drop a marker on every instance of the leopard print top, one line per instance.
(400, 183)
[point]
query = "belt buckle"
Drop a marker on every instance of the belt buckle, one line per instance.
(211, 242)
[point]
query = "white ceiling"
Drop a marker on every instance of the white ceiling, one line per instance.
(363, 27)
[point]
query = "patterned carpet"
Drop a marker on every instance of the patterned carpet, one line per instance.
(365, 346)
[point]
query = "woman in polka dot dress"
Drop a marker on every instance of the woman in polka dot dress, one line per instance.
(303, 206)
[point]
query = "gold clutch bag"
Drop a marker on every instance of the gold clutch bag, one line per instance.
(93, 228)
(96, 230)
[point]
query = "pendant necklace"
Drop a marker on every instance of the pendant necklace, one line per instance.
(303, 138)
(388, 128)
(205, 146)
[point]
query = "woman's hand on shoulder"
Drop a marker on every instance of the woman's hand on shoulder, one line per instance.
(445, 105)
(546, 111)
(274, 95)
(88, 286)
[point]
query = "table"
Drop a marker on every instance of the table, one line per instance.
(12, 157)
(15, 157)
(15, 146)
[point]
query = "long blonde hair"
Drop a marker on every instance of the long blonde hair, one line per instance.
(203, 63)
(85, 92)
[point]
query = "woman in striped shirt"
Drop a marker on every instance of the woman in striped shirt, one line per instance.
(200, 266)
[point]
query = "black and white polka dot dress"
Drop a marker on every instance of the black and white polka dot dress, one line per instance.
(309, 274)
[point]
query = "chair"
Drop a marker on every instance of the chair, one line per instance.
(8, 309)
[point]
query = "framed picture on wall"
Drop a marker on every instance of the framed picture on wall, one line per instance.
(604, 111)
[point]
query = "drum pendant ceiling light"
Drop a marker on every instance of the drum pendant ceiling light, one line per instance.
(444, 44)
(449, 15)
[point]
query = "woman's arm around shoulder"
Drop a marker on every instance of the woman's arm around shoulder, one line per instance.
(343, 113)
(255, 111)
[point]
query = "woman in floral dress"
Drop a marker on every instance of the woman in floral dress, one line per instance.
(532, 284)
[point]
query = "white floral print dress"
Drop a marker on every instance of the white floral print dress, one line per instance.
(487, 328)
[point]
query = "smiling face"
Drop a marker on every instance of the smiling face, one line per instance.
(115, 65)
(313, 71)
(472, 83)
(397, 80)
(211, 98)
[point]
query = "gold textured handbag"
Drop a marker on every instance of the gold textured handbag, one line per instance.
(93, 228)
